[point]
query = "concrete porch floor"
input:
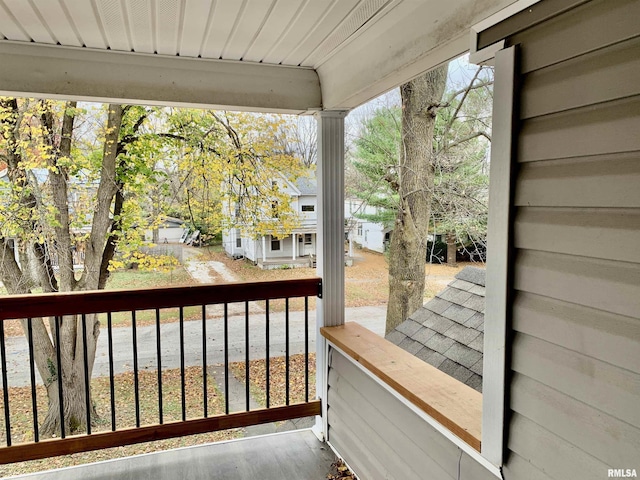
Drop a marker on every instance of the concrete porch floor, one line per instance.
(289, 455)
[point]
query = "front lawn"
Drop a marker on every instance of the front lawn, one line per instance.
(130, 279)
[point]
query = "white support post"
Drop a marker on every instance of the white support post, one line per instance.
(498, 304)
(330, 243)
(264, 249)
(294, 238)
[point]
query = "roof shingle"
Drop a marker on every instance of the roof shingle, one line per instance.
(447, 332)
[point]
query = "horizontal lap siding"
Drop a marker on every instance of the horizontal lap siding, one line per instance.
(575, 385)
(381, 438)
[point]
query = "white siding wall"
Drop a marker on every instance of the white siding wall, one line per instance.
(575, 388)
(226, 242)
(308, 217)
(286, 249)
(229, 243)
(574, 371)
(380, 437)
(171, 235)
(252, 249)
(372, 237)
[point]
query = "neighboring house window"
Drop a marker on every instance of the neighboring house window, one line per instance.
(308, 208)
(274, 209)
(307, 239)
(238, 242)
(365, 235)
(275, 245)
(359, 229)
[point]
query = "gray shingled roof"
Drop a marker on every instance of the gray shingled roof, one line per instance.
(448, 331)
(307, 185)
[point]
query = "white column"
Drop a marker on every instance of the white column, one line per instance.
(330, 247)
(330, 242)
(264, 249)
(294, 238)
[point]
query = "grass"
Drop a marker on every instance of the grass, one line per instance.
(277, 380)
(130, 279)
(22, 422)
(366, 282)
(126, 279)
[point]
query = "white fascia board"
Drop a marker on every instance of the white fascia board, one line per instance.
(411, 38)
(295, 191)
(487, 54)
(96, 75)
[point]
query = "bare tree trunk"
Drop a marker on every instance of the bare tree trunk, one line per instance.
(102, 222)
(58, 180)
(408, 250)
(16, 277)
(451, 249)
(72, 376)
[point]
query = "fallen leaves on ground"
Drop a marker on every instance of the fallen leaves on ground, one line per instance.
(277, 379)
(22, 417)
(339, 471)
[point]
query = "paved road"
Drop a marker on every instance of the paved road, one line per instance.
(371, 317)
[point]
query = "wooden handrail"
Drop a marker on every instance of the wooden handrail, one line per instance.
(453, 404)
(72, 303)
(97, 441)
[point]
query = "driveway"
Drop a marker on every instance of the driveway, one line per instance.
(370, 317)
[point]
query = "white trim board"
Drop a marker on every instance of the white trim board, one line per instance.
(99, 75)
(486, 54)
(497, 311)
(457, 441)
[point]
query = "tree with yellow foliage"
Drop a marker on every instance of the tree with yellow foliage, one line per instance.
(226, 166)
(82, 183)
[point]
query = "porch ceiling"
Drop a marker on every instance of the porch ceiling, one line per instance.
(270, 55)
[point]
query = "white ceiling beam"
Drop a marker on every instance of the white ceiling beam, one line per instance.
(411, 38)
(108, 76)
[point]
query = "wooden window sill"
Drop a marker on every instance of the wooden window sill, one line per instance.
(453, 404)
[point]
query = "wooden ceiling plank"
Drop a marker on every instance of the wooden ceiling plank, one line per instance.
(272, 31)
(225, 16)
(377, 59)
(30, 21)
(167, 18)
(58, 22)
(309, 16)
(196, 18)
(86, 22)
(9, 27)
(332, 20)
(112, 18)
(357, 18)
(140, 20)
(247, 29)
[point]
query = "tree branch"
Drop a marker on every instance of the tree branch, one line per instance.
(465, 139)
(58, 181)
(106, 191)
